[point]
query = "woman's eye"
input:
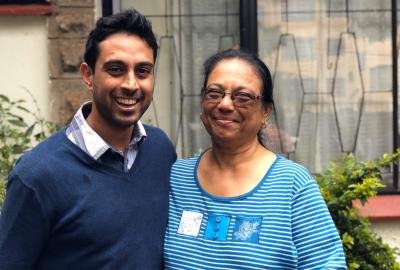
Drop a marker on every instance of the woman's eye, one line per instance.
(214, 93)
(244, 95)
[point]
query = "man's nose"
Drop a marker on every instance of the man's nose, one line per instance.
(130, 81)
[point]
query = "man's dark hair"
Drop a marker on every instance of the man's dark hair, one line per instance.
(253, 60)
(129, 21)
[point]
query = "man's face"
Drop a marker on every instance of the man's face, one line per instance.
(122, 82)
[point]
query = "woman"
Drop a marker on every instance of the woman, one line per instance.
(239, 205)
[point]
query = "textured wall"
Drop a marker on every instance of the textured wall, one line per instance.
(68, 29)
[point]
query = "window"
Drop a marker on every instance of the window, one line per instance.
(381, 78)
(298, 10)
(356, 114)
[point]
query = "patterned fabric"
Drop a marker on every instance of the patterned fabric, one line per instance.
(283, 223)
(81, 134)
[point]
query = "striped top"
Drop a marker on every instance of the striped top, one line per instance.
(283, 223)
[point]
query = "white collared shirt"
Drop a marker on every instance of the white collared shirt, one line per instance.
(81, 134)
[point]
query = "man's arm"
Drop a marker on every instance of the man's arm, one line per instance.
(23, 227)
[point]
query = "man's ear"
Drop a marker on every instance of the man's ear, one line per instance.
(87, 75)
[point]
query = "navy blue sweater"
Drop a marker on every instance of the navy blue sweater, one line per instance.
(65, 210)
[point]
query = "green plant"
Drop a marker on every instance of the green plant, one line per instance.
(17, 136)
(343, 182)
(2, 191)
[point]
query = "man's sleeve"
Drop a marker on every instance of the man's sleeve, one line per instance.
(315, 236)
(23, 227)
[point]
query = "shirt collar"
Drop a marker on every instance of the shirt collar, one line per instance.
(91, 142)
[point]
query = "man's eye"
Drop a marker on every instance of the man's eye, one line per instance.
(115, 70)
(143, 72)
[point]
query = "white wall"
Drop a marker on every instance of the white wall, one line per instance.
(24, 60)
(389, 231)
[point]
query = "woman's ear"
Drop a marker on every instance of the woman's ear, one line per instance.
(267, 113)
(87, 75)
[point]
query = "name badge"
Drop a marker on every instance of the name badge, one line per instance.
(190, 223)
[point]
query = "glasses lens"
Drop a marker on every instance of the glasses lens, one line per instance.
(243, 99)
(239, 99)
(214, 95)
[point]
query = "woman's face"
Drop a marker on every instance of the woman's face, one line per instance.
(233, 121)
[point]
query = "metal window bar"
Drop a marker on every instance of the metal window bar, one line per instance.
(248, 25)
(395, 93)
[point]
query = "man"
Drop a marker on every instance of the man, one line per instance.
(94, 195)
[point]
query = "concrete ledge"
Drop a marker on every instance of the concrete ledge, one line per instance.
(25, 10)
(381, 208)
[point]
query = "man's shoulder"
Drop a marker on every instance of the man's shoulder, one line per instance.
(42, 155)
(154, 131)
(47, 146)
(158, 140)
(156, 135)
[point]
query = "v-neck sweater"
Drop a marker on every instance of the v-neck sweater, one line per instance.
(65, 210)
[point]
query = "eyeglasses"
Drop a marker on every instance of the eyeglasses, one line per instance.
(239, 98)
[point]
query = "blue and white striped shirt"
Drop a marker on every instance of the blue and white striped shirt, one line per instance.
(283, 223)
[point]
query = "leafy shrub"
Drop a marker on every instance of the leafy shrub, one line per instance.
(2, 191)
(17, 136)
(343, 182)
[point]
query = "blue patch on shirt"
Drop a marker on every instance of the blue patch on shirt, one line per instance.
(217, 228)
(247, 229)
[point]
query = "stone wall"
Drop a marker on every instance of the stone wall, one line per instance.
(68, 27)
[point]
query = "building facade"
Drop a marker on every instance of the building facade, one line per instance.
(331, 63)
(335, 80)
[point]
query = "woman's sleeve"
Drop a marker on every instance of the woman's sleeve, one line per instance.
(315, 236)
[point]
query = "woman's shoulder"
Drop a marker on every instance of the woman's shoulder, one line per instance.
(290, 165)
(187, 161)
(188, 164)
(183, 172)
(298, 172)
(292, 175)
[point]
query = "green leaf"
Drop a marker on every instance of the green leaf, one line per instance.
(29, 131)
(23, 109)
(18, 123)
(16, 134)
(18, 149)
(4, 98)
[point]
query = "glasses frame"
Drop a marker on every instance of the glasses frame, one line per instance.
(207, 90)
